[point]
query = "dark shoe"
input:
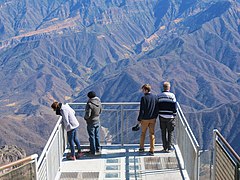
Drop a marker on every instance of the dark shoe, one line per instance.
(89, 153)
(98, 152)
(141, 150)
(68, 155)
(150, 153)
(164, 151)
(170, 149)
(73, 158)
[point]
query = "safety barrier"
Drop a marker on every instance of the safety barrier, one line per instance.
(51, 157)
(117, 120)
(25, 168)
(188, 146)
(226, 162)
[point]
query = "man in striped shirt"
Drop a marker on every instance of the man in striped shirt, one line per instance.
(167, 113)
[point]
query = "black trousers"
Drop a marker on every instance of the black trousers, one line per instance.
(167, 126)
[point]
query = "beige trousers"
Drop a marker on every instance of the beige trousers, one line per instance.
(148, 124)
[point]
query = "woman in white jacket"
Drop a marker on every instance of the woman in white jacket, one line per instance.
(70, 124)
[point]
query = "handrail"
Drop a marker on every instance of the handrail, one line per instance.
(17, 169)
(227, 144)
(187, 125)
(49, 141)
(20, 161)
(188, 145)
(226, 162)
(49, 162)
(110, 103)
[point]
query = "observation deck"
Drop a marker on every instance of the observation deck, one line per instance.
(119, 158)
(118, 162)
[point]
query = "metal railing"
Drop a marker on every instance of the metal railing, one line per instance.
(226, 162)
(205, 169)
(117, 120)
(25, 168)
(49, 162)
(188, 145)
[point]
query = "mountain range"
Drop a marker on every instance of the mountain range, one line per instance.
(60, 50)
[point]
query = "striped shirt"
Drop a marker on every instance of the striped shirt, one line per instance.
(167, 104)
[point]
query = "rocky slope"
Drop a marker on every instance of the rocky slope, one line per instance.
(11, 153)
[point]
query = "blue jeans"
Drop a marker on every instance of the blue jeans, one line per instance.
(72, 138)
(94, 139)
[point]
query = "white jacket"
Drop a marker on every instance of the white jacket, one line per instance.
(69, 119)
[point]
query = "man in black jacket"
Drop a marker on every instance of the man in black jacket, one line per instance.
(147, 117)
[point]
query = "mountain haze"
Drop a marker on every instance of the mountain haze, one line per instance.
(60, 50)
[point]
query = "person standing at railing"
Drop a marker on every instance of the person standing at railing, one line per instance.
(93, 110)
(167, 112)
(147, 117)
(70, 124)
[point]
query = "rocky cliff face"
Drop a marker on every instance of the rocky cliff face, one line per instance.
(59, 50)
(11, 153)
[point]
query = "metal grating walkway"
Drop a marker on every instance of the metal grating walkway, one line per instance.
(119, 163)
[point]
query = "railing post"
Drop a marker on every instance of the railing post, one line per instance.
(118, 139)
(237, 171)
(214, 153)
(59, 143)
(122, 125)
(198, 163)
(35, 156)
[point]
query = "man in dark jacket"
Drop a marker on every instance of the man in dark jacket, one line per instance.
(92, 112)
(147, 117)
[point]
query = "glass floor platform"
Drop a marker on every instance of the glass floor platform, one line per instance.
(116, 162)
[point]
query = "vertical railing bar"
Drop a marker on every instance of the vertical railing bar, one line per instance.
(196, 154)
(198, 163)
(122, 124)
(238, 171)
(214, 153)
(60, 142)
(211, 164)
(127, 140)
(47, 173)
(35, 167)
(100, 126)
(117, 127)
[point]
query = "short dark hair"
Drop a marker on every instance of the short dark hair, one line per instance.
(91, 94)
